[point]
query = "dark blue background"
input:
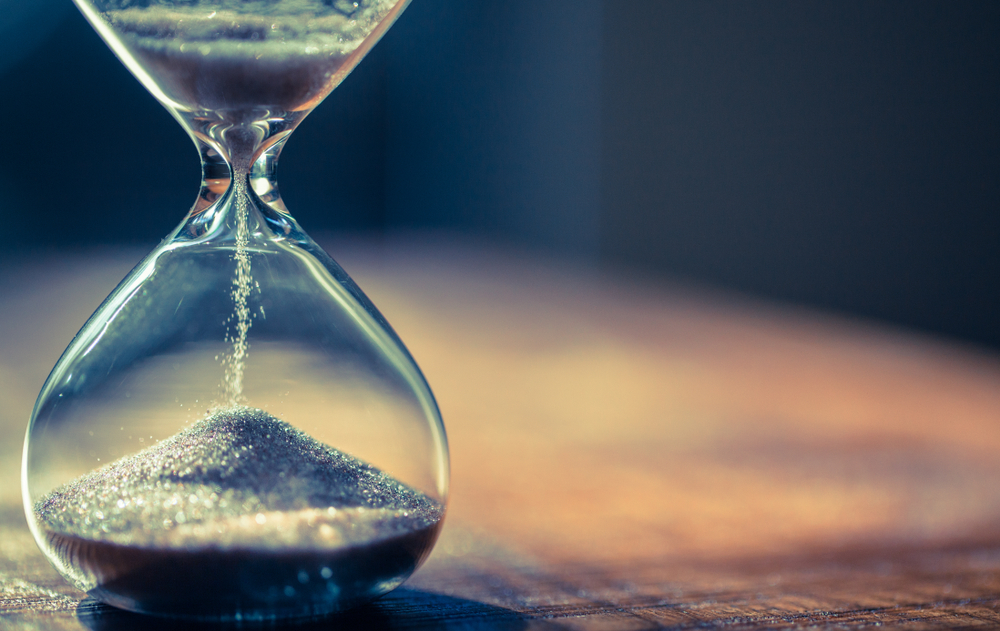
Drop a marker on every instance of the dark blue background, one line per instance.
(840, 154)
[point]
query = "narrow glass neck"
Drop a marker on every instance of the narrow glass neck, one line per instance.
(241, 136)
(239, 160)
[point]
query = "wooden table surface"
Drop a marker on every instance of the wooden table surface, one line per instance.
(625, 455)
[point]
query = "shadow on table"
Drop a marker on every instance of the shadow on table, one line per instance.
(402, 609)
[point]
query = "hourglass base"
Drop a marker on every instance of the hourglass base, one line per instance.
(243, 584)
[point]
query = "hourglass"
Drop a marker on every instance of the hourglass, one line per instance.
(237, 432)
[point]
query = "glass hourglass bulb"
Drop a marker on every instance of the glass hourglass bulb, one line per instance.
(237, 432)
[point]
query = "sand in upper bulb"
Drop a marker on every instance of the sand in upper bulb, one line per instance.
(243, 516)
(230, 57)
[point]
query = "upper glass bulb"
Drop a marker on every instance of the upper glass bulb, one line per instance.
(237, 432)
(232, 55)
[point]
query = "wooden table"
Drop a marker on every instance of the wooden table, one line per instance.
(625, 455)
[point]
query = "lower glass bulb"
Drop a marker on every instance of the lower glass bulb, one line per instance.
(236, 432)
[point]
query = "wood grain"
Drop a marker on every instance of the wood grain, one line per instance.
(626, 455)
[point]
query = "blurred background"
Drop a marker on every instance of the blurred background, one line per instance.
(842, 154)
